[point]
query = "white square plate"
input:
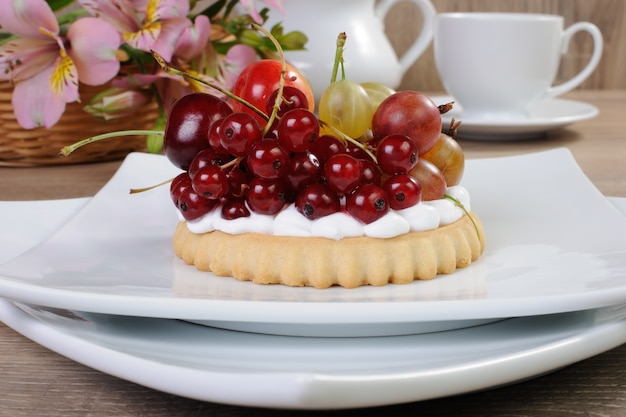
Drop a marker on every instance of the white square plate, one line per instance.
(554, 244)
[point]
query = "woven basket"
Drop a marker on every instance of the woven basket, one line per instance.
(22, 148)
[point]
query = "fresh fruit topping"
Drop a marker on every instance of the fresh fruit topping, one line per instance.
(403, 190)
(187, 126)
(409, 113)
(260, 79)
(448, 156)
(396, 154)
(317, 200)
(368, 203)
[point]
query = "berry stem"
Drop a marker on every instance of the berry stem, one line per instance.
(281, 82)
(169, 69)
(460, 205)
(66, 150)
(341, 41)
(347, 138)
(141, 190)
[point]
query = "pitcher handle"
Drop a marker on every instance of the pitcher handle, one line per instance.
(423, 38)
(591, 65)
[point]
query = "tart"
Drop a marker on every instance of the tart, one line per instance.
(322, 262)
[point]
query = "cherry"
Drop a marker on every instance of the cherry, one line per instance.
(188, 124)
(367, 203)
(317, 200)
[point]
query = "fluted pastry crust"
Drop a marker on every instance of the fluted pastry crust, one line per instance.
(321, 262)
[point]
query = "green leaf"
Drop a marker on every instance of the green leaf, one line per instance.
(56, 5)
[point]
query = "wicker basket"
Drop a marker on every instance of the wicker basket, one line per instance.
(41, 146)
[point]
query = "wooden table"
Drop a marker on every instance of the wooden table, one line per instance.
(36, 382)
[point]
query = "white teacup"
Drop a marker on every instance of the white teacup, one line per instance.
(497, 65)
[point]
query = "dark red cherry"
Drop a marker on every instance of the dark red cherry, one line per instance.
(187, 126)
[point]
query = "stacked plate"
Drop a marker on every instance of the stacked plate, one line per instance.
(96, 280)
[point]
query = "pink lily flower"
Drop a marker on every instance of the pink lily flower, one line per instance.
(145, 25)
(45, 66)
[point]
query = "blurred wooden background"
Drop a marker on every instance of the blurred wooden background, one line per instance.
(404, 20)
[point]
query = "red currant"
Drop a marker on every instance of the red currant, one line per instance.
(317, 200)
(304, 169)
(239, 132)
(268, 159)
(193, 206)
(403, 191)
(326, 146)
(211, 182)
(266, 196)
(396, 154)
(298, 129)
(367, 203)
(235, 208)
(343, 173)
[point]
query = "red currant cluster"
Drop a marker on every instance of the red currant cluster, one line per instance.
(232, 160)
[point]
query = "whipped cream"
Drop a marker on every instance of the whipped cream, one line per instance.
(425, 215)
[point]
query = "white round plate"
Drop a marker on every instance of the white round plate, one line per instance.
(250, 369)
(554, 244)
(544, 116)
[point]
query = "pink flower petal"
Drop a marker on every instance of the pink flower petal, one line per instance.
(22, 58)
(194, 39)
(34, 102)
(121, 14)
(94, 44)
(64, 79)
(166, 9)
(25, 17)
(171, 31)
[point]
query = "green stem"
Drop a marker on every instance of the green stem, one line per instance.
(165, 67)
(341, 41)
(152, 187)
(460, 205)
(66, 150)
(281, 82)
(347, 138)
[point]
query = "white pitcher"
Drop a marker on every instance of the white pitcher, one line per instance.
(368, 54)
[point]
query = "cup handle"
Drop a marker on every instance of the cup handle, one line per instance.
(424, 37)
(593, 61)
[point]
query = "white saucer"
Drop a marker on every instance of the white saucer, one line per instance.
(250, 369)
(544, 116)
(115, 257)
